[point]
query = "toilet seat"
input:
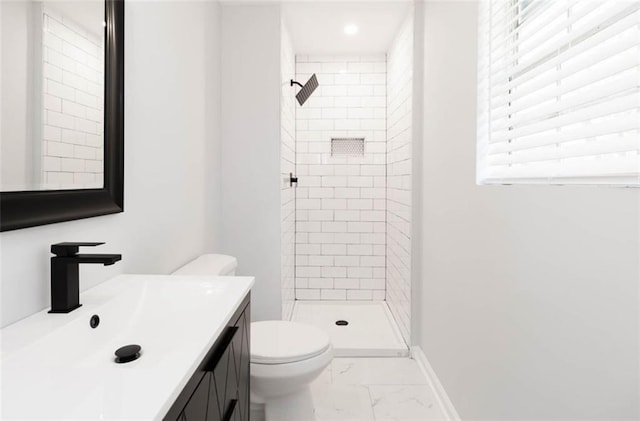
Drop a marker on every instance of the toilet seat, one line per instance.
(282, 342)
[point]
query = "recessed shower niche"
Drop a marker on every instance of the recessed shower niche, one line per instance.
(347, 146)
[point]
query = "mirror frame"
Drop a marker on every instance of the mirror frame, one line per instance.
(23, 209)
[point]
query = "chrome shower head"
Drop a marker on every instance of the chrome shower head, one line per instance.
(307, 89)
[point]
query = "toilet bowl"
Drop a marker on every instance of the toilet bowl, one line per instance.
(285, 356)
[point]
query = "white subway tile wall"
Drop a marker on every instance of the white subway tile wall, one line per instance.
(399, 137)
(72, 104)
(341, 200)
(287, 165)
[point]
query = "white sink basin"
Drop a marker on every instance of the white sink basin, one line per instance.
(55, 366)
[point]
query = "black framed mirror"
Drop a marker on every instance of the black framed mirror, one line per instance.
(29, 208)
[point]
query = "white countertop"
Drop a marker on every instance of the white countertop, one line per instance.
(55, 366)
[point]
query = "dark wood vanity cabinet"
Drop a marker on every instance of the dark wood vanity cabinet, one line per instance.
(219, 389)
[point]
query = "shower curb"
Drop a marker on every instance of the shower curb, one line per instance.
(444, 402)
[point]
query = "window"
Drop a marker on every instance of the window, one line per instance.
(558, 92)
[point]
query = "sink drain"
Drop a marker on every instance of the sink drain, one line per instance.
(127, 353)
(94, 321)
(342, 322)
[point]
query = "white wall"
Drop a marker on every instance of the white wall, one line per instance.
(171, 141)
(250, 136)
(287, 166)
(529, 294)
(399, 174)
(340, 199)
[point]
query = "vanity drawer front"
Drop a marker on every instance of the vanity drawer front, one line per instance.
(232, 401)
(233, 413)
(242, 360)
(196, 409)
(224, 386)
(220, 385)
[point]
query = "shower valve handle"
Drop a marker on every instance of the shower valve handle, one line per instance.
(292, 180)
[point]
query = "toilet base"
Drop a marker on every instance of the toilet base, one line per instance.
(257, 412)
(294, 407)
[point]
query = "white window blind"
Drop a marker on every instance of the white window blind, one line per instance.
(558, 92)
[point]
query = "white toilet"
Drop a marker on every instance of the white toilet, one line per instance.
(285, 356)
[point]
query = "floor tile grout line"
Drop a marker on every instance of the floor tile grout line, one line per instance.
(373, 411)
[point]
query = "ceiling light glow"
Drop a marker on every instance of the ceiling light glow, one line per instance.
(351, 29)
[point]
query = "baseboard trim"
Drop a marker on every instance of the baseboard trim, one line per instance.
(441, 395)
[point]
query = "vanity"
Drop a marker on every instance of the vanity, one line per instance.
(219, 388)
(193, 363)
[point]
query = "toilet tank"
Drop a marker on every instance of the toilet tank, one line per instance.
(210, 265)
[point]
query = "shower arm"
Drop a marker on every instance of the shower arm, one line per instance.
(293, 82)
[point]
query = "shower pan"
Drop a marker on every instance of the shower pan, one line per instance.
(356, 328)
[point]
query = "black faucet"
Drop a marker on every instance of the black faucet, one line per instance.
(65, 283)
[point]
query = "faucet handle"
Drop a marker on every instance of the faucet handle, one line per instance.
(67, 249)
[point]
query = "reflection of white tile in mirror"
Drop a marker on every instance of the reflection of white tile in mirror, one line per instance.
(52, 95)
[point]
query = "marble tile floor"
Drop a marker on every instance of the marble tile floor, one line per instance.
(374, 389)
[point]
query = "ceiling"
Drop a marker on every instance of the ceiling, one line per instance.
(317, 27)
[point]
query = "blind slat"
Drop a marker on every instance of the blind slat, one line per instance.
(506, 69)
(602, 69)
(548, 42)
(601, 109)
(587, 131)
(568, 99)
(603, 145)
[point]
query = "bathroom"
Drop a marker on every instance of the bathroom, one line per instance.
(523, 296)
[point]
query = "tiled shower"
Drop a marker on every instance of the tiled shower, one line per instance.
(350, 147)
(340, 199)
(72, 98)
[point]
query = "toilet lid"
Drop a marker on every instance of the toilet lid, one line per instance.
(280, 342)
